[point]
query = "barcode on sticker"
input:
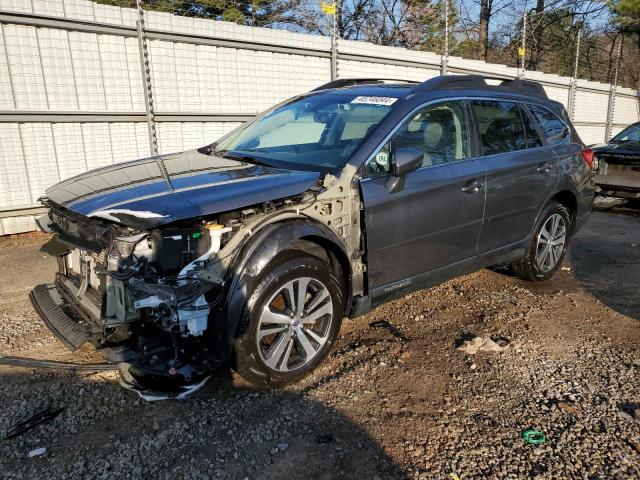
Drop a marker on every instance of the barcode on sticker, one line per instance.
(375, 100)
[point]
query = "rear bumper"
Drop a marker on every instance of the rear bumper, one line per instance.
(59, 317)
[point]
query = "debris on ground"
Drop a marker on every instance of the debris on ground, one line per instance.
(481, 344)
(533, 436)
(384, 325)
(33, 421)
(50, 364)
(485, 420)
(567, 408)
(37, 452)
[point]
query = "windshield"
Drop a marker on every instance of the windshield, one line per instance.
(318, 132)
(629, 134)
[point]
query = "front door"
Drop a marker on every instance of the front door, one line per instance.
(432, 221)
(521, 173)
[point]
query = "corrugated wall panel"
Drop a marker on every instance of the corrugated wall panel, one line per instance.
(591, 134)
(97, 144)
(627, 110)
(6, 89)
(69, 145)
(115, 73)
(123, 142)
(14, 177)
(55, 55)
(187, 77)
(21, 44)
(87, 67)
(164, 75)
(591, 106)
(39, 158)
(54, 8)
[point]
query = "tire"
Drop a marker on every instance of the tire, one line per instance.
(279, 344)
(535, 266)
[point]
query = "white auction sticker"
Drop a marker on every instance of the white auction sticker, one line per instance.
(375, 100)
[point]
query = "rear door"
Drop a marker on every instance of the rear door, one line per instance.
(432, 222)
(521, 172)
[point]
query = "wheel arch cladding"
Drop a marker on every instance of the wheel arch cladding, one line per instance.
(289, 235)
(569, 200)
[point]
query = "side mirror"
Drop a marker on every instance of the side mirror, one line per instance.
(405, 160)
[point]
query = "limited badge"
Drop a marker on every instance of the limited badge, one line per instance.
(375, 100)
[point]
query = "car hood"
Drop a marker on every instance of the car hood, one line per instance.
(619, 149)
(137, 194)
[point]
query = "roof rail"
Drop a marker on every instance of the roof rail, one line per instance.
(528, 87)
(347, 82)
(447, 82)
(452, 82)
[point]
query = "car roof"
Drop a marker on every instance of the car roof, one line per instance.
(442, 87)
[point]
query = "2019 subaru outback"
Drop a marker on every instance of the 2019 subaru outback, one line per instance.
(250, 251)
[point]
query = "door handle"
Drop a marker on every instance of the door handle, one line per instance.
(544, 169)
(472, 187)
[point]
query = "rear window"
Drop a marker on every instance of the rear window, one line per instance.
(553, 129)
(500, 126)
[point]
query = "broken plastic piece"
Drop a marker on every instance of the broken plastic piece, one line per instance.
(130, 383)
(31, 422)
(37, 452)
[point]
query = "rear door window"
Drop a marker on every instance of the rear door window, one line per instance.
(500, 126)
(553, 129)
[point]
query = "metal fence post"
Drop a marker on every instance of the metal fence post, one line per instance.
(444, 60)
(573, 88)
(612, 94)
(334, 41)
(523, 49)
(146, 78)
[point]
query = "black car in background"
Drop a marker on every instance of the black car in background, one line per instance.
(618, 172)
(250, 251)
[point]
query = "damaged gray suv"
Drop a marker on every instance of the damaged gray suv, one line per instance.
(249, 252)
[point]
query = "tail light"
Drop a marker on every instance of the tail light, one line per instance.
(590, 158)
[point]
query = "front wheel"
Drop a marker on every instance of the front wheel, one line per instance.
(548, 247)
(292, 319)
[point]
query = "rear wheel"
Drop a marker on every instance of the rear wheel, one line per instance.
(293, 317)
(548, 244)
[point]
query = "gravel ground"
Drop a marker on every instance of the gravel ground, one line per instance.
(397, 401)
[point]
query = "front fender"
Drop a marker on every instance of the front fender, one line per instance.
(256, 254)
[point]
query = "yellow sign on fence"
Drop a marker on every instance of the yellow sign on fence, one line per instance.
(329, 8)
(521, 51)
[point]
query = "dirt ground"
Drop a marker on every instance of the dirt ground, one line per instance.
(390, 402)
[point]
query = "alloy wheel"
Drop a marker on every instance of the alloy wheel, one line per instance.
(550, 242)
(295, 324)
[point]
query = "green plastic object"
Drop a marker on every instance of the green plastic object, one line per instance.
(533, 436)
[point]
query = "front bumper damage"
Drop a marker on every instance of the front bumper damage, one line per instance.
(59, 316)
(136, 299)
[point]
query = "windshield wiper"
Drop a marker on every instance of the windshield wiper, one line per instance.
(243, 157)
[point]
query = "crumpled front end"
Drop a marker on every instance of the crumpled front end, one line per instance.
(139, 296)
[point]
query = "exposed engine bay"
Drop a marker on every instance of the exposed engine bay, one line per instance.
(154, 300)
